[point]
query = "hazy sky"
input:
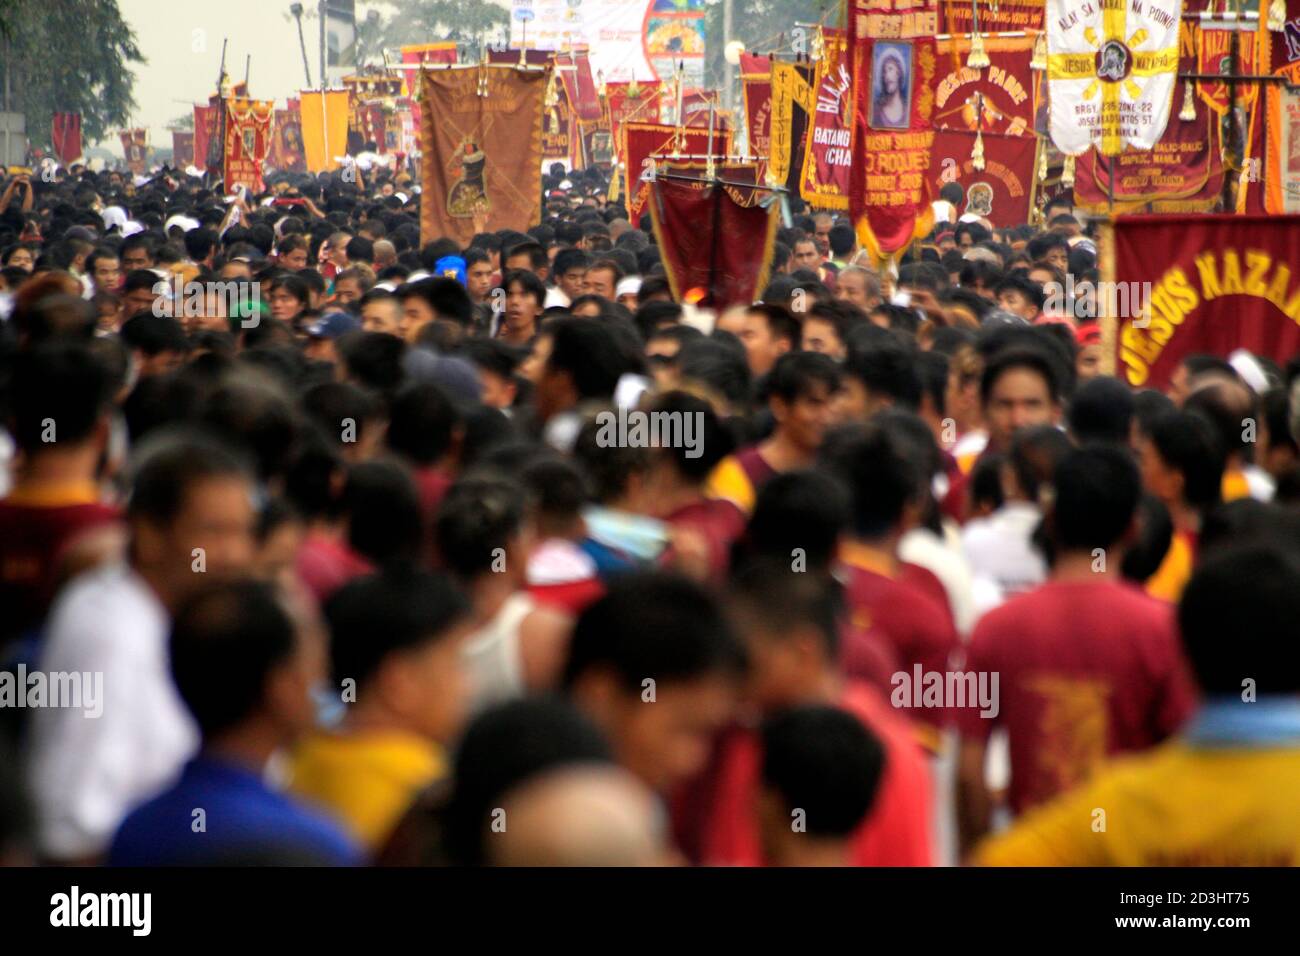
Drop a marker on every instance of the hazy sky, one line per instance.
(182, 43)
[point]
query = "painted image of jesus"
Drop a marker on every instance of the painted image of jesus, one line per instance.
(891, 95)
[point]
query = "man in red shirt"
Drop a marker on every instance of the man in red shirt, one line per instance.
(886, 601)
(1088, 665)
(60, 425)
(788, 620)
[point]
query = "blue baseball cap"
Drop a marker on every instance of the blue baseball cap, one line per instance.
(334, 325)
(451, 267)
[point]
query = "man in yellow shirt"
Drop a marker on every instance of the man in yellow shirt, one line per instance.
(1226, 791)
(396, 645)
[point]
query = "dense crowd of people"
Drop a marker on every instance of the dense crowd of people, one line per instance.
(334, 521)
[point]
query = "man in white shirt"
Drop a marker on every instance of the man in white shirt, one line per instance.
(191, 518)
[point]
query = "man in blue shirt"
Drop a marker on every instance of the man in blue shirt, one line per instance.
(246, 672)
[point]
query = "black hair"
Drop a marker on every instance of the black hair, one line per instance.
(374, 359)
(1034, 455)
(1188, 443)
(382, 614)
(566, 260)
(797, 511)
(1035, 360)
(823, 761)
(476, 520)
(781, 324)
(719, 365)
(887, 369)
(842, 239)
(63, 386)
(1102, 410)
(1251, 592)
(589, 351)
(446, 297)
(1096, 493)
(527, 282)
(226, 641)
(653, 625)
(537, 257)
(1015, 282)
(385, 525)
(795, 373)
(422, 423)
(881, 479)
(169, 469)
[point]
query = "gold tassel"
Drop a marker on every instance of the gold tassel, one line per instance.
(1188, 112)
(1039, 60)
(1042, 162)
(978, 59)
(1067, 173)
(1277, 15)
(977, 153)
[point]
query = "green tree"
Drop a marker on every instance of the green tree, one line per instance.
(67, 56)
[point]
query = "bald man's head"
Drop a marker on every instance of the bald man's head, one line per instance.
(579, 816)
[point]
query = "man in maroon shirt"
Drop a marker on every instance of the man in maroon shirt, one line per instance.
(1089, 666)
(885, 602)
(59, 397)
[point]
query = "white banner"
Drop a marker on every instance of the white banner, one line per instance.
(1112, 66)
(611, 30)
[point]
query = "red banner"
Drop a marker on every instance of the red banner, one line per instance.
(893, 83)
(996, 16)
(715, 241)
(1214, 55)
(1202, 284)
(65, 131)
(209, 136)
(1003, 189)
(248, 142)
(645, 145)
(630, 103)
(998, 97)
(695, 109)
(556, 121)
(575, 73)
(756, 82)
(182, 149)
(828, 156)
(135, 146)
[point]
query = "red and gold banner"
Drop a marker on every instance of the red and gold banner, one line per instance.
(995, 16)
(1001, 93)
(1214, 55)
(646, 145)
(556, 121)
(828, 156)
(792, 104)
(210, 136)
(756, 83)
(182, 149)
(287, 153)
(430, 54)
(630, 102)
(1003, 191)
(248, 141)
(579, 86)
(481, 137)
(715, 240)
(1201, 285)
(1282, 164)
(65, 133)
(893, 86)
(135, 146)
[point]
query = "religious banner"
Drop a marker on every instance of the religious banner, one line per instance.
(442, 53)
(695, 109)
(373, 126)
(182, 148)
(893, 88)
(793, 102)
(513, 56)
(65, 133)
(1200, 285)
(756, 85)
(248, 142)
(579, 86)
(135, 147)
(645, 145)
(324, 128)
(482, 151)
(1282, 163)
(715, 240)
(556, 120)
(209, 135)
(287, 153)
(1214, 55)
(630, 103)
(1183, 173)
(1002, 189)
(995, 99)
(1112, 66)
(824, 182)
(995, 16)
